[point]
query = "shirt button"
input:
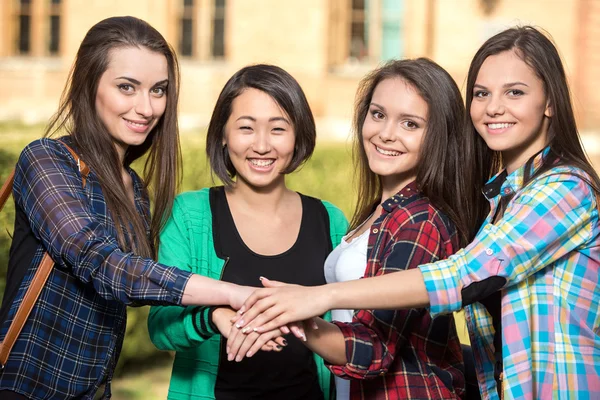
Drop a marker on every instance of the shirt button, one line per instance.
(375, 230)
(489, 252)
(507, 191)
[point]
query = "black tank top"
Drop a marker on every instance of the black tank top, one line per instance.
(290, 374)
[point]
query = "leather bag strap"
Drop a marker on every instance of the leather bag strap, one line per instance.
(6, 189)
(41, 275)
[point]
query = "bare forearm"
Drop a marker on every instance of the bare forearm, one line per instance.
(270, 308)
(201, 290)
(327, 341)
(398, 290)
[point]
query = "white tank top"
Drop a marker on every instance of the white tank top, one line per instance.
(346, 262)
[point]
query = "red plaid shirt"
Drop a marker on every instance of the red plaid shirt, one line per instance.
(404, 354)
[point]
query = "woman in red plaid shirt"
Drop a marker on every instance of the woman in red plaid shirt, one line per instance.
(408, 136)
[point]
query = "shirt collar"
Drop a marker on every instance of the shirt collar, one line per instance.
(505, 184)
(405, 195)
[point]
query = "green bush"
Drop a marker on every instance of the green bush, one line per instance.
(326, 176)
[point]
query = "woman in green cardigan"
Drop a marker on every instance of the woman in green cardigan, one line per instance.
(261, 129)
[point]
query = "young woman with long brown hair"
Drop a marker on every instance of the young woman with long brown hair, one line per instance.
(120, 103)
(530, 279)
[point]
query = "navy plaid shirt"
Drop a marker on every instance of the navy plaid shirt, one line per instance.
(404, 354)
(72, 338)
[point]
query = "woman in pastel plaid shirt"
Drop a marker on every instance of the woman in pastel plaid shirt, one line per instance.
(530, 281)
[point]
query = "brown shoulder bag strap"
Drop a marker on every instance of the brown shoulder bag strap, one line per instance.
(41, 275)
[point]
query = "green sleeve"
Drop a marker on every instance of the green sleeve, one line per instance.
(338, 224)
(338, 227)
(173, 327)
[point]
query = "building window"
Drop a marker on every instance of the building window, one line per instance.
(392, 46)
(365, 32)
(33, 29)
(218, 41)
(24, 35)
(359, 39)
(186, 43)
(54, 27)
(201, 25)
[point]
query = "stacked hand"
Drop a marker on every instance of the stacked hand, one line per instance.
(268, 341)
(267, 312)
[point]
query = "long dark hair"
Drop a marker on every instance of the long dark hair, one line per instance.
(441, 174)
(77, 115)
(287, 93)
(540, 54)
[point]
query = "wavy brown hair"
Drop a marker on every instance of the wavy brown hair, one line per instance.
(540, 54)
(77, 115)
(444, 175)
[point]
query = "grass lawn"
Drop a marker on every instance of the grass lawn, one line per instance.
(148, 383)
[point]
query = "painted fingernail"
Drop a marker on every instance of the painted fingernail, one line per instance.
(278, 347)
(261, 278)
(303, 337)
(238, 359)
(246, 329)
(239, 323)
(249, 354)
(284, 342)
(229, 356)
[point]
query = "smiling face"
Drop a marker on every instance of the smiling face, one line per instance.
(393, 132)
(260, 139)
(510, 109)
(131, 95)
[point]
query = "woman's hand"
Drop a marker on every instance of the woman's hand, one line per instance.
(281, 304)
(240, 345)
(221, 317)
(237, 294)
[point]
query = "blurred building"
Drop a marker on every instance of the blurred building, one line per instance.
(328, 45)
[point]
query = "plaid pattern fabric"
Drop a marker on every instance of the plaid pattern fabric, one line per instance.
(404, 354)
(72, 339)
(547, 247)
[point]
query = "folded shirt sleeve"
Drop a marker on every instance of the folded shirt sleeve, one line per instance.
(375, 336)
(551, 217)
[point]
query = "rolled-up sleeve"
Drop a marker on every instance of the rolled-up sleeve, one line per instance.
(550, 218)
(374, 337)
(49, 188)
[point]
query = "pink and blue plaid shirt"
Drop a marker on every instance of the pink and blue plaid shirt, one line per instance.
(546, 248)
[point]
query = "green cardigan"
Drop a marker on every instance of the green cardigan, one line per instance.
(187, 242)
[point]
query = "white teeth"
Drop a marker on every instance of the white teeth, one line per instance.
(387, 152)
(500, 126)
(135, 123)
(261, 163)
